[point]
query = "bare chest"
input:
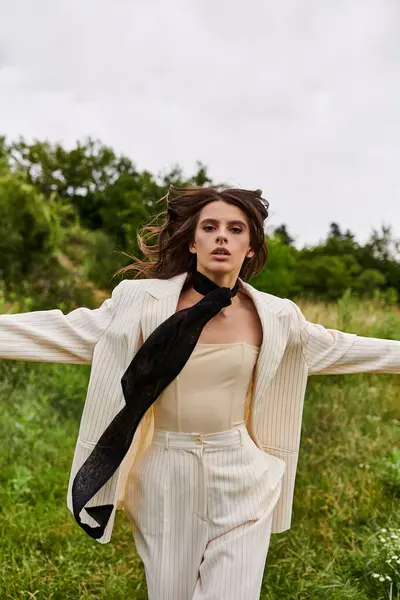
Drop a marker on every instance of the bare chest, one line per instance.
(235, 323)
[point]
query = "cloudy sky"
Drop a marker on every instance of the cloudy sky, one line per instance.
(301, 99)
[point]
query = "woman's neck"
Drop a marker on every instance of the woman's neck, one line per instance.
(206, 281)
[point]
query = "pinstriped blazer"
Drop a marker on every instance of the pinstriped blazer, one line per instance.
(109, 336)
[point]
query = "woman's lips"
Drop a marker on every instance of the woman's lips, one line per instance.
(220, 256)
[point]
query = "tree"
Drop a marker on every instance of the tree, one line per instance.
(84, 206)
(278, 276)
(284, 235)
(335, 231)
(30, 230)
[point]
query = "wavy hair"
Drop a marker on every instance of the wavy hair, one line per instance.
(170, 256)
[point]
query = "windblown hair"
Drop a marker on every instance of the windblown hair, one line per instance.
(170, 255)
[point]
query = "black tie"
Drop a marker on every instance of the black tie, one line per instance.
(158, 361)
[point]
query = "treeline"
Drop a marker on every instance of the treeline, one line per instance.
(68, 221)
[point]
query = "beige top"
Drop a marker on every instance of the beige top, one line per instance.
(211, 392)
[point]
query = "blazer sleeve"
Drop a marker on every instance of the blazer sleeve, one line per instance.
(51, 336)
(330, 351)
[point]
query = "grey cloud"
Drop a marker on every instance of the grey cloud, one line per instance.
(300, 100)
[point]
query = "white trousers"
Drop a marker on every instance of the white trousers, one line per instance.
(201, 509)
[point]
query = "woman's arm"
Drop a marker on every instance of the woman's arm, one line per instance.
(51, 336)
(329, 351)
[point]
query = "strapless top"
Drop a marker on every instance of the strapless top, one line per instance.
(211, 392)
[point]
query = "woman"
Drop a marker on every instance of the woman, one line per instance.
(204, 412)
(202, 510)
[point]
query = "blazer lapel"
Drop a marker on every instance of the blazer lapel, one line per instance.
(161, 301)
(273, 343)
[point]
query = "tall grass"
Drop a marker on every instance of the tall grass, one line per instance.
(346, 507)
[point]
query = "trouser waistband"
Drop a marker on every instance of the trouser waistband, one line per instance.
(180, 439)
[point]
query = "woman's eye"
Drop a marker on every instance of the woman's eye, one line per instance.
(236, 229)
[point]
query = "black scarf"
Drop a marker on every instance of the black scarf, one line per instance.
(159, 360)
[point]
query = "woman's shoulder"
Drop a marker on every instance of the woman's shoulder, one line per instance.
(137, 282)
(129, 287)
(144, 284)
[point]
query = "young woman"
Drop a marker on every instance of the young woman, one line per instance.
(202, 495)
(193, 413)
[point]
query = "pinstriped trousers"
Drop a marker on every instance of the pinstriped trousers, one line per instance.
(201, 510)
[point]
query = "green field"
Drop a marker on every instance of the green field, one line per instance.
(346, 520)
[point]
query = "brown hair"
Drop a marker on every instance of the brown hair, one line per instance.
(170, 255)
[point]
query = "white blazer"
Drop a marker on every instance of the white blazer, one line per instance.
(108, 337)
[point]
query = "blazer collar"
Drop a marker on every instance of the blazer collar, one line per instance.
(162, 300)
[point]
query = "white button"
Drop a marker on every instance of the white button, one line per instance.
(198, 440)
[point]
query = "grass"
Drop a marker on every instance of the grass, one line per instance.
(347, 487)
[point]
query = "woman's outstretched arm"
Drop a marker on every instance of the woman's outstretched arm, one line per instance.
(329, 351)
(51, 336)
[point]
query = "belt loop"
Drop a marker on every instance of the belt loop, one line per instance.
(166, 440)
(241, 437)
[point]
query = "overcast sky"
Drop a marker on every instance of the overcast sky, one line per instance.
(301, 99)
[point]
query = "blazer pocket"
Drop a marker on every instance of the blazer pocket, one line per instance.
(277, 451)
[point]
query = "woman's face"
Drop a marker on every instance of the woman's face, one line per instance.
(221, 225)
